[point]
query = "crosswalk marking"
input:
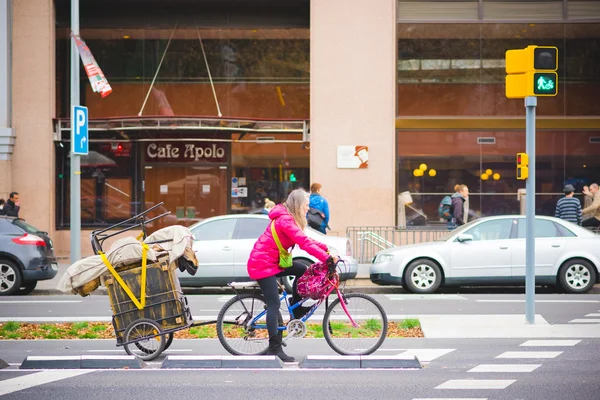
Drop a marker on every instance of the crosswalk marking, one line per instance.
(585, 321)
(530, 354)
(476, 384)
(593, 315)
(426, 355)
(505, 368)
(537, 301)
(453, 398)
(39, 378)
(549, 343)
(425, 297)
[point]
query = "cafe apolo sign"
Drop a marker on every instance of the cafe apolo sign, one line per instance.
(183, 152)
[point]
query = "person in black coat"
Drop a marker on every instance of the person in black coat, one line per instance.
(11, 208)
(458, 204)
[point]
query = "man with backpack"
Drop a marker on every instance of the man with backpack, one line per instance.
(318, 212)
(451, 208)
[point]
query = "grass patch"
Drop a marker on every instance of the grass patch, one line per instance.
(408, 328)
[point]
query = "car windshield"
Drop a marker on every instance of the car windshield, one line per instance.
(458, 230)
(25, 226)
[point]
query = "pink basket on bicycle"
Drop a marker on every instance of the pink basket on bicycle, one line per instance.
(314, 283)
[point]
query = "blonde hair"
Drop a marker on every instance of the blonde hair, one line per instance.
(315, 187)
(269, 204)
(294, 203)
(459, 188)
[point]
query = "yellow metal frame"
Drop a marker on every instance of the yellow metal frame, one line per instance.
(141, 303)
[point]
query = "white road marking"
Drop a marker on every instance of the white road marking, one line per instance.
(538, 301)
(550, 343)
(530, 354)
(56, 319)
(505, 368)
(477, 384)
(425, 297)
(37, 301)
(593, 315)
(585, 321)
(426, 355)
(121, 350)
(453, 398)
(39, 378)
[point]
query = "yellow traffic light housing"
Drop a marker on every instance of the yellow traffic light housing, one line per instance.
(532, 72)
(522, 166)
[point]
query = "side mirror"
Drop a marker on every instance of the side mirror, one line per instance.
(464, 237)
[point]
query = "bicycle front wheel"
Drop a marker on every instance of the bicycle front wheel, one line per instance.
(366, 336)
(235, 330)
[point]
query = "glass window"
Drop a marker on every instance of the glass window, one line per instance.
(491, 230)
(543, 229)
(215, 230)
(25, 226)
(251, 228)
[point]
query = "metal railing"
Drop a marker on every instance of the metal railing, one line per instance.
(369, 240)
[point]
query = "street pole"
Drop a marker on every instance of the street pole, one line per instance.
(75, 220)
(530, 104)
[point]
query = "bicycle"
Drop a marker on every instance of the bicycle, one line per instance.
(350, 319)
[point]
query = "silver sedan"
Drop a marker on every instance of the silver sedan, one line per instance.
(491, 252)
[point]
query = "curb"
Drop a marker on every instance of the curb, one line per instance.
(211, 362)
(356, 362)
(82, 362)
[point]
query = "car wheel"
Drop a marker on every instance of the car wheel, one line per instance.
(422, 276)
(288, 281)
(27, 287)
(577, 276)
(10, 278)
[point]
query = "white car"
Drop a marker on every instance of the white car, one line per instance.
(491, 251)
(223, 244)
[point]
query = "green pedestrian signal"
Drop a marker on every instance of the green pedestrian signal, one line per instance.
(292, 178)
(545, 83)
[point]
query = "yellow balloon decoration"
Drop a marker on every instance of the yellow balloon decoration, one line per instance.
(423, 167)
(417, 172)
(432, 172)
(496, 176)
(488, 172)
(484, 177)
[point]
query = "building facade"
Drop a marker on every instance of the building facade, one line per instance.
(219, 105)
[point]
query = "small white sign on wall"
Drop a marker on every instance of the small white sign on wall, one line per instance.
(353, 157)
(205, 188)
(164, 189)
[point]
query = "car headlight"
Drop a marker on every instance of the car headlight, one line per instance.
(383, 258)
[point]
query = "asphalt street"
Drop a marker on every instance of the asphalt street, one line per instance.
(507, 369)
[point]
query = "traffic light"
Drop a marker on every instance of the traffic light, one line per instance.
(532, 72)
(522, 166)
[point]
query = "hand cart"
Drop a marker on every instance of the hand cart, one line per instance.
(147, 302)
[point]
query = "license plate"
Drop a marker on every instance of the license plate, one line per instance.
(54, 267)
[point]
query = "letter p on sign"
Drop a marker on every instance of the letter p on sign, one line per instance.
(79, 130)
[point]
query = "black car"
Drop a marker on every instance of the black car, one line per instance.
(26, 256)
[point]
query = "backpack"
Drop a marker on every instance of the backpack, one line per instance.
(314, 282)
(445, 208)
(315, 218)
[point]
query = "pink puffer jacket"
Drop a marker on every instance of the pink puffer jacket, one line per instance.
(264, 258)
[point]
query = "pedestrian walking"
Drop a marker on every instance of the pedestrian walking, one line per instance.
(286, 230)
(12, 205)
(318, 212)
(568, 207)
(2, 206)
(269, 204)
(458, 204)
(594, 208)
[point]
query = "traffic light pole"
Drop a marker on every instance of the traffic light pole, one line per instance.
(75, 220)
(530, 104)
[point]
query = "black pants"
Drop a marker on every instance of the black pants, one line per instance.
(591, 222)
(271, 292)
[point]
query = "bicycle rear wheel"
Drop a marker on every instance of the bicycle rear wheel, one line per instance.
(233, 325)
(345, 338)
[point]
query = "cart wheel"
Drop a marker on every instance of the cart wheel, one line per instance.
(168, 342)
(148, 342)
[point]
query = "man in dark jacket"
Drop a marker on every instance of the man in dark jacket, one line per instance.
(458, 204)
(11, 208)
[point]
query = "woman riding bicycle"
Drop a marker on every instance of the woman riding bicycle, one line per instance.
(289, 221)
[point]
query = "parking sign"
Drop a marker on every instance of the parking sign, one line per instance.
(79, 130)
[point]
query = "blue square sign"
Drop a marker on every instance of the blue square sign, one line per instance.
(79, 130)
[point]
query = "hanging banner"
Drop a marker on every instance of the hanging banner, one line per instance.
(93, 71)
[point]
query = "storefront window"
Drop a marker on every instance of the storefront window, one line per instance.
(430, 164)
(267, 166)
(458, 69)
(108, 183)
